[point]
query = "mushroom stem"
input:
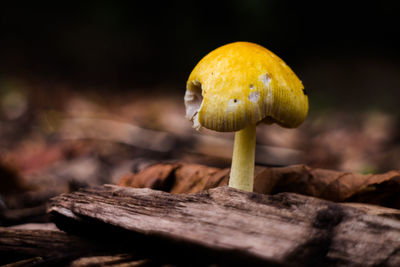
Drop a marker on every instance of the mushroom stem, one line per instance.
(242, 170)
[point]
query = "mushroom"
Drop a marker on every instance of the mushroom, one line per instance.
(234, 88)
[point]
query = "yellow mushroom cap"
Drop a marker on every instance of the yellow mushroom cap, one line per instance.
(243, 83)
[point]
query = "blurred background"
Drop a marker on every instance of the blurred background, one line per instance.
(346, 55)
(92, 90)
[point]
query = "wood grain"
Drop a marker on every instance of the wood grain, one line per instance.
(236, 226)
(52, 247)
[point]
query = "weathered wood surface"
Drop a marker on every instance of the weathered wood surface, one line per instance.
(231, 225)
(51, 247)
(25, 263)
(123, 260)
(26, 247)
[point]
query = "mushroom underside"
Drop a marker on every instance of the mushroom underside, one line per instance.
(193, 102)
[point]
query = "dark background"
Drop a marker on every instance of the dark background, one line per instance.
(347, 55)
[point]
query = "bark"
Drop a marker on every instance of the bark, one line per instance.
(26, 263)
(124, 260)
(227, 226)
(51, 247)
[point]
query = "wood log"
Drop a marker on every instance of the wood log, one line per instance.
(26, 263)
(52, 247)
(228, 226)
(124, 260)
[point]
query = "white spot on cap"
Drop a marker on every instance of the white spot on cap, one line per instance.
(232, 105)
(254, 96)
(265, 79)
(268, 94)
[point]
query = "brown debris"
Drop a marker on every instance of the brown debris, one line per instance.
(337, 186)
(233, 227)
(52, 246)
(379, 189)
(28, 262)
(155, 176)
(112, 260)
(177, 178)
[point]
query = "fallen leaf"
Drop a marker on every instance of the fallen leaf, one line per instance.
(378, 189)
(155, 177)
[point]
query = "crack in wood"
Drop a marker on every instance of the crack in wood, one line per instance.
(231, 225)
